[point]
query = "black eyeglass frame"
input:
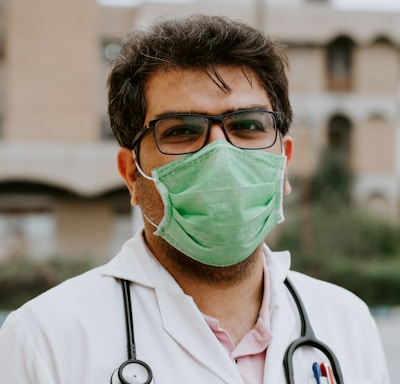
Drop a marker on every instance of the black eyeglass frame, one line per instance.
(211, 119)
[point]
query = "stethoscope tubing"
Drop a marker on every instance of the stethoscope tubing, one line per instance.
(307, 338)
(139, 367)
(130, 335)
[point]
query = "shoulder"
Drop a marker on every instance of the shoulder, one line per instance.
(343, 321)
(65, 303)
(314, 292)
(335, 310)
(71, 291)
(325, 295)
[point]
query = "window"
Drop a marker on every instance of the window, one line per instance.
(339, 134)
(27, 233)
(339, 64)
(2, 47)
(339, 140)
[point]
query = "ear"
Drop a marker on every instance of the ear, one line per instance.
(288, 146)
(127, 169)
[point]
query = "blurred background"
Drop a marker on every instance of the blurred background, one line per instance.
(64, 208)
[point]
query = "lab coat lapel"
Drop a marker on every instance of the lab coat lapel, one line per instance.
(185, 324)
(282, 318)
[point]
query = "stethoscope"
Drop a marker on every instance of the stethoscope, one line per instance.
(134, 371)
(307, 338)
(131, 371)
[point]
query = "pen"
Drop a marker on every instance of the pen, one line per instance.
(317, 372)
(329, 374)
(326, 371)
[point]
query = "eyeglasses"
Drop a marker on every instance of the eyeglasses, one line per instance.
(184, 133)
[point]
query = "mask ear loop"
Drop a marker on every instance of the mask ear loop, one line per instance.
(148, 178)
(140, 169)
(282, 146)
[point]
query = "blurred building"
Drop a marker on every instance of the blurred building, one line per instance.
(60, 193)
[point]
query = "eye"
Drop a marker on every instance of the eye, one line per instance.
(247, 126)
(177, 131)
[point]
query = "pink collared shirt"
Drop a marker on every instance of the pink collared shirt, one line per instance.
(249, 354)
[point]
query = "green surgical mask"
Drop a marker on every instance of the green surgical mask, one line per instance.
(221, 202)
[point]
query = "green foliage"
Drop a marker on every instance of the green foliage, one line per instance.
(22, 279)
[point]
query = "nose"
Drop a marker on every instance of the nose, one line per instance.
(216, 133)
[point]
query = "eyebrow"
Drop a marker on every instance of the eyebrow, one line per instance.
(200, 112)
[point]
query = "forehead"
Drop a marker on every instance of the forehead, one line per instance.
(193, 90)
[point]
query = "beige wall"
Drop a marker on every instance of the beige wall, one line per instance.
(374, 146)
(51, 70)
(377, 69)
(83, 228)
(305, 152)
(307, 69)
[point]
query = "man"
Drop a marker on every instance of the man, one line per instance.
(200, 108)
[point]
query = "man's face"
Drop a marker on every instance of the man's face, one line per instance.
(190, 91)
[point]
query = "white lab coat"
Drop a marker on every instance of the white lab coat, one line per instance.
(75, 333)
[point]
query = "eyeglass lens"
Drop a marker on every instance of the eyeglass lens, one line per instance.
(178, 134)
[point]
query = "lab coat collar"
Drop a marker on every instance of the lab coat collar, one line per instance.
(278, 264)
(135, 263)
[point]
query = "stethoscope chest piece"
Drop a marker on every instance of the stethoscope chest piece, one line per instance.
(133, 372)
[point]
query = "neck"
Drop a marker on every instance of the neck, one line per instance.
(236, 305)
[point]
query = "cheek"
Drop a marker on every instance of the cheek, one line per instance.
(149, 199)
